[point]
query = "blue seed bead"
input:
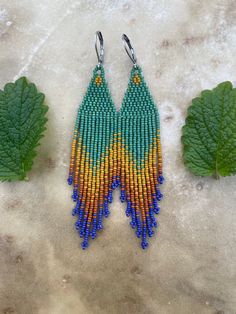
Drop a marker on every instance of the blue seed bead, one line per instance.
(107, 213)
(75, 211)
(114, 183)
(149, 227)
(93, 232)
(151, 213)
(75, 195)
(93, 235)
(153, 219)
(150, 233)
(109, 198)
(155, 203)
(156, 210)
(133, 217)
(100, 226)
(106, 209)
(161, 179)
(84, 225)
(154, 224)
(70, 180)
(144, 244)
(132, 224)
(128, 209)
(84, 244)
(139, 229)
(81, 214)
(87, 233)
(159, 195)
(77, 225)
(128, 212)
(122, 196)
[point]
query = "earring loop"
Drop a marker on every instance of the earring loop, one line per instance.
(129, 49)
(99, 47)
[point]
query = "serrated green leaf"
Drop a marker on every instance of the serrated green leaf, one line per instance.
(209, 133)
(22, 123)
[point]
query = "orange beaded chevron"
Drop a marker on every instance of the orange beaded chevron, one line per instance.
(94, 165)
(140, 156)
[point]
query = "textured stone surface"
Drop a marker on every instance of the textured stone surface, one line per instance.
(183, 47)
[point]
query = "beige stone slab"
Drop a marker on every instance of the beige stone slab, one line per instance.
(183, 47)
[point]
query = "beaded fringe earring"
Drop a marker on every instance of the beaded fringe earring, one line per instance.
(140, 153)
(94, 163)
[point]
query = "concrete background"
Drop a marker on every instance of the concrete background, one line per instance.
(190, 268)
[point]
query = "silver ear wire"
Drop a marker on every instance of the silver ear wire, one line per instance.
(99, 47)
(129, 49)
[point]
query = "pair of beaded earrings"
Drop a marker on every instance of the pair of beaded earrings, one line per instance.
(112, 149)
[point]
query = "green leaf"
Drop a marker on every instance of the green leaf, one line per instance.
(22, 123)
(209, 133)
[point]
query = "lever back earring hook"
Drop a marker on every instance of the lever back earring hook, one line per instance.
(129, 49)
(99, 47)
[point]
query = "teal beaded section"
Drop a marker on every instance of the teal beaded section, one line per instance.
(139, 118)
(97, 98)
(97, 118)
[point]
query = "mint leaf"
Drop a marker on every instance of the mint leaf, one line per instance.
(22, 123)
(209, 134)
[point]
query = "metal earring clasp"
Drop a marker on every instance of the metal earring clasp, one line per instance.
(99, 47)
(129, 49)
